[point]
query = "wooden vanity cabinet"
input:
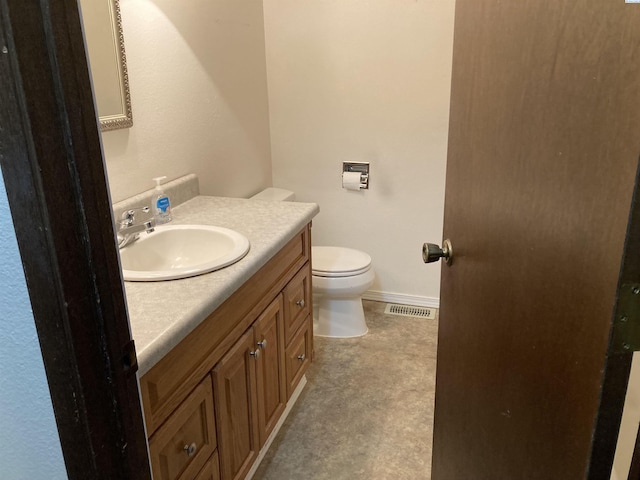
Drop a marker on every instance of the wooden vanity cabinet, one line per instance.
(247, 357)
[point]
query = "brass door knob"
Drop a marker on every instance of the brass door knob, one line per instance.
(432, 252)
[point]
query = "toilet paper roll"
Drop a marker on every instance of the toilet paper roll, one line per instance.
(351, 180)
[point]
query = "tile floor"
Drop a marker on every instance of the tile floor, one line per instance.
(367, 410)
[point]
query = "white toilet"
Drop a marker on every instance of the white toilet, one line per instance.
(339, 278)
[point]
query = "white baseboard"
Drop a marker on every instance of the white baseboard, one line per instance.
(403, 299)
(263, 451)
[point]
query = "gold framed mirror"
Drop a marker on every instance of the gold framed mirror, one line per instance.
(105, 46)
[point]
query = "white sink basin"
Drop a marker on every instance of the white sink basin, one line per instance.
(181, 251)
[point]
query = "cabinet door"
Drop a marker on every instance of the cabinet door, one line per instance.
(182, 445)
(234, 386)
(298, 355)
(270, 381)
(297, 302)
(211, 471)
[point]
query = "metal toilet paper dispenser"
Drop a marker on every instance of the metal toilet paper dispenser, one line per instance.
(355, 175)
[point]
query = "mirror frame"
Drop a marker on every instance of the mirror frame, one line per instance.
(123, 119)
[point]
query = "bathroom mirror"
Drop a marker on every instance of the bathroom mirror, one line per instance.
(105, 46)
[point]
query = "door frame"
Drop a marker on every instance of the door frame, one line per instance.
(623, 341)
(55, 178)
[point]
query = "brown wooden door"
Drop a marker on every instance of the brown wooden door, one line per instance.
(270, 379)
(234, 387)
(543, 148)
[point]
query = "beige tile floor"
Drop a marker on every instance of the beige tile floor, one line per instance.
(367, 410)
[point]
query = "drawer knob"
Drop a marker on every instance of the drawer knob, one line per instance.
(301, 357)
(263, 343)
(255, 354)
(300, 303)
(191, 449)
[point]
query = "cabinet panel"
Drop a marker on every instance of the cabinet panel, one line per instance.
(297, 303)
(211, 470)
(235, 399)
(298, 355)
(182, 445)
(270, 380)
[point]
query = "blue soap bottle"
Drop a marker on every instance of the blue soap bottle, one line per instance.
(161, 203)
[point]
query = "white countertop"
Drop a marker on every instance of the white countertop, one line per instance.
(164, 313)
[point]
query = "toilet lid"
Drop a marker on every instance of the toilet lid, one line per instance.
(338, 262)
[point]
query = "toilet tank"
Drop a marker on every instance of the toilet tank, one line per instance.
(275, 195)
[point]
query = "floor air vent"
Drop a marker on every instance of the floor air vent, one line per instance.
(410, 311)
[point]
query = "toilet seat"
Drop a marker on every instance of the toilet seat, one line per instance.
(336, 262)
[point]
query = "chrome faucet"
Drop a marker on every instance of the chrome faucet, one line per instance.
(128, 231)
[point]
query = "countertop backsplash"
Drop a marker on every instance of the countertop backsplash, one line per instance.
(179, 191)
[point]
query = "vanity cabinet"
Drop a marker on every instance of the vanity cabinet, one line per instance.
(227, 384)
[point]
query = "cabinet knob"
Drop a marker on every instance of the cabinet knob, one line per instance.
(255, 354)
(191, 449)
(263, 343)
(301, 357)
(300, 303)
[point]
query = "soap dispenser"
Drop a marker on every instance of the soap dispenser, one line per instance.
(161, 203)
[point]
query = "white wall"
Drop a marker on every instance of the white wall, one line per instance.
(199, 97)
(29, 444)
(365, 81)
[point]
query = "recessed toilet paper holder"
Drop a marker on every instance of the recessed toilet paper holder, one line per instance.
(362, 168)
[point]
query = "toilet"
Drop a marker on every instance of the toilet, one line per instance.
(339, 278)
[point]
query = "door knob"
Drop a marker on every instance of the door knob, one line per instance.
(432, 252)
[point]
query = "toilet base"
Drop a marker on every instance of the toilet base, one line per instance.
(338, 317)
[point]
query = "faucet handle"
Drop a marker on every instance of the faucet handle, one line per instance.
(128, 215)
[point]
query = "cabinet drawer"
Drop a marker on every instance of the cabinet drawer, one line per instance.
(298, 355)
(211, 470)
(297, 302)
(181, 446)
